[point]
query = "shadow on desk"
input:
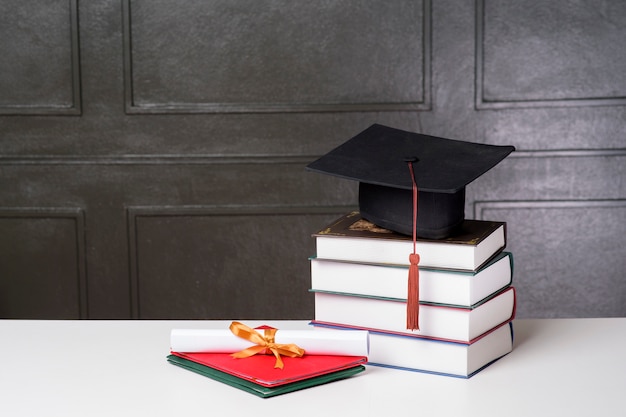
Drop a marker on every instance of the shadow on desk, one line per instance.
(523, 333)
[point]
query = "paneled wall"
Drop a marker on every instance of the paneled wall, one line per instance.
(152, 152)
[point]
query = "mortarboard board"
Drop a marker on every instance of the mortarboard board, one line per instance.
(378, 159)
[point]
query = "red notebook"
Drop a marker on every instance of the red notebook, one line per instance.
(260, 370)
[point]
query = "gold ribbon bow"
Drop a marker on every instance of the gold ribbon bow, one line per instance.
(263, 344)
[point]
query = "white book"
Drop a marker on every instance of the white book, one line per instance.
(351, 238)
(461, 360)
(438, 286)
(436, 322)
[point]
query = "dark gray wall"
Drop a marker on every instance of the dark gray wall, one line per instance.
(152, 152)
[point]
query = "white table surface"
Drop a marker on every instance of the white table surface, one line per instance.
(558, 367)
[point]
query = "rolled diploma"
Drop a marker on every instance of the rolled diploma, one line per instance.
(314, 342)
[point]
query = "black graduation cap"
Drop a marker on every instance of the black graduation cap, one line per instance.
(379, 159)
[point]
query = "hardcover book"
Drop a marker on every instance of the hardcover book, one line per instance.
(436, 322)
(436, 286)
(352, 238)
(462, 360)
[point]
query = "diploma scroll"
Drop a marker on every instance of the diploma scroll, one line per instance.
(314, 342)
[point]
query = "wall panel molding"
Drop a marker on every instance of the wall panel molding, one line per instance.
(254, 159)
(481, 206)
(337, 103)
(598, 48)
(154, 159)
(569, 153)
(53, 214)
(179, 213)
(73, 107)
(568, 258)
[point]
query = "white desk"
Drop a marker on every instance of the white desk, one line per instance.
(563, 367)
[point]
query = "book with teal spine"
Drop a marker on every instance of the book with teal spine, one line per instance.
(437, 286)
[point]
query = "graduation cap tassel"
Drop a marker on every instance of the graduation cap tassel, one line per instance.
(412, 305)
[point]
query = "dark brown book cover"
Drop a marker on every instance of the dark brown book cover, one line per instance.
(470, 232)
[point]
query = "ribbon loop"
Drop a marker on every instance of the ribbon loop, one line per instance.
(264, 344)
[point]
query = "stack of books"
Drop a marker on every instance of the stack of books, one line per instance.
(467, 304)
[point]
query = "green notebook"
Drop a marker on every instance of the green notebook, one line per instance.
(260, 390)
